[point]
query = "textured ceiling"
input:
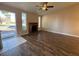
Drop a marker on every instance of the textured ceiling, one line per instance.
(31, 6)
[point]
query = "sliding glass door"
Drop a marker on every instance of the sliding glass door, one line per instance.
(7, 24)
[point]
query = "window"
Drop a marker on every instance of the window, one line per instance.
(39, 21)
(24, 27)
(7, 18)
(7, 24)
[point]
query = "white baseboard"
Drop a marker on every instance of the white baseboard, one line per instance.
(63, 33)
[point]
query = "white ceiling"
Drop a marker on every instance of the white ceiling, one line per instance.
(31, 6)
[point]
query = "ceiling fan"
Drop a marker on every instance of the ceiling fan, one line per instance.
(44, 6)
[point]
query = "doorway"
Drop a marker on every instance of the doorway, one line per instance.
(7, 24)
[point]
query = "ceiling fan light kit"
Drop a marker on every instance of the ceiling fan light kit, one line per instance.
(44, 6)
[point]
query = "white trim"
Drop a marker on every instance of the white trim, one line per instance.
(63, 33)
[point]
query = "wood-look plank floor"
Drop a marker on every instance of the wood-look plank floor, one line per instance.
(46, 44)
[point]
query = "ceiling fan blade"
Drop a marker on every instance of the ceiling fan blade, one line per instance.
(50, 6)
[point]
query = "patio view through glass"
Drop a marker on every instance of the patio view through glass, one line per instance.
(7, 21)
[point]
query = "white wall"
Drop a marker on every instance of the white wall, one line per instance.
(63, 21)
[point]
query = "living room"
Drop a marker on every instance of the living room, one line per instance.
(42, 28)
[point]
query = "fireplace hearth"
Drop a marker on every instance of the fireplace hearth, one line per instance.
(33, 27)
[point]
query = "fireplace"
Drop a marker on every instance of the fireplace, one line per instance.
(33, 27)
